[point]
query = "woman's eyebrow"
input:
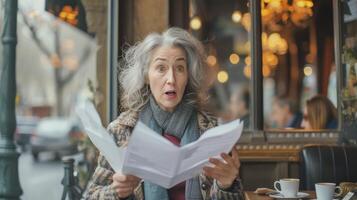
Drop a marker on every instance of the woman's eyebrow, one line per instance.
(164, 59)
(181, 58)
(159, 58)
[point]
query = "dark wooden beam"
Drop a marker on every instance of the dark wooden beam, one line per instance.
(256, 108)
(178, 13)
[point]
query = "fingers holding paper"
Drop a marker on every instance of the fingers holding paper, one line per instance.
(224, 171)
(124, 185)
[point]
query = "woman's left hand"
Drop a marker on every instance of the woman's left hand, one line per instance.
(225, 172)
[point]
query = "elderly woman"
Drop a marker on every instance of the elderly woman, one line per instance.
(319, 113)
(164, 86)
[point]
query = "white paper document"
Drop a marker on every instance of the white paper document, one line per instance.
(153, 158)
(100, 136)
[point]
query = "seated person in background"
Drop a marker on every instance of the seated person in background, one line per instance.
(285, 113)
(239, 106)
(319, 113)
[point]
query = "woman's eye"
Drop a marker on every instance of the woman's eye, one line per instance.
(180, 68)
(161, 68)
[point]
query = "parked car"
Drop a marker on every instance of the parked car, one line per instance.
(54, 135)
(25, 127)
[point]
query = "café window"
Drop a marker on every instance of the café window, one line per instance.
(297, 57)
(298, 63)
(223, 27)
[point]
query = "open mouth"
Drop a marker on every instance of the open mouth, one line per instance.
(171, 93)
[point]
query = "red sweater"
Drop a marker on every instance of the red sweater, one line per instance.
(178, 191)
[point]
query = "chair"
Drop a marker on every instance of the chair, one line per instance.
(323, 163)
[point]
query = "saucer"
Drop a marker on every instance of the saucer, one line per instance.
(332, 199)
(298, 196)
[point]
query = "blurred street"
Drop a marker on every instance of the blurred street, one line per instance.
(40, 180)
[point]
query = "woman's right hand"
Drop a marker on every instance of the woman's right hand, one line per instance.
(124, 185)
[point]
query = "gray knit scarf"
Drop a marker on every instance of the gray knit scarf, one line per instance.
(182, 123)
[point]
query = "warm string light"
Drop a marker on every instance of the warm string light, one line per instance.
(277, 44)
(236, 16)
(304, 3)
(247, 71)
(247, 60)
(308, 71)
(246, 21)
(211, 60)
(234, 58)
(195, 23)
(222, 76)
(270, 59)
(273, 45)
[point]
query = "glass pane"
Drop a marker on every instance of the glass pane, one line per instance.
(56, 69)
(223, 27)
(298, 64)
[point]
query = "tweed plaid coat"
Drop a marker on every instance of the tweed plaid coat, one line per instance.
(99, 186)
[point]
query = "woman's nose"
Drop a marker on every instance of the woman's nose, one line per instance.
(170, 76)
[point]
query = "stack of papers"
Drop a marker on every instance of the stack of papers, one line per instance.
(152, 157)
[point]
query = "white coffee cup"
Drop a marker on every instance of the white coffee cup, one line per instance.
(289, 187)
(326, 191)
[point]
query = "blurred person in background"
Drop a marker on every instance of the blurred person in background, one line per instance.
(319, 113)
(239, 105)
(285, 113)
(163, 84)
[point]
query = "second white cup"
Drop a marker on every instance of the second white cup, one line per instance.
(325, 191)
(289, 187)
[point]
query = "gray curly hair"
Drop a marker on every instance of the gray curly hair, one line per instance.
(137, 58)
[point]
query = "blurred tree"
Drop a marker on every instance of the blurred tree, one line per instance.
(64, 68)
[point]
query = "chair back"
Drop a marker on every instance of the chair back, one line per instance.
(323, 163)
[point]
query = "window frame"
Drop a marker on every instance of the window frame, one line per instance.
(115, 39)
(257, 127)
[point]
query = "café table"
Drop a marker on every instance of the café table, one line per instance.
(250, 195)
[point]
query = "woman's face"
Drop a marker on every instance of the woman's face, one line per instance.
(168, 76)
(305, 122)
